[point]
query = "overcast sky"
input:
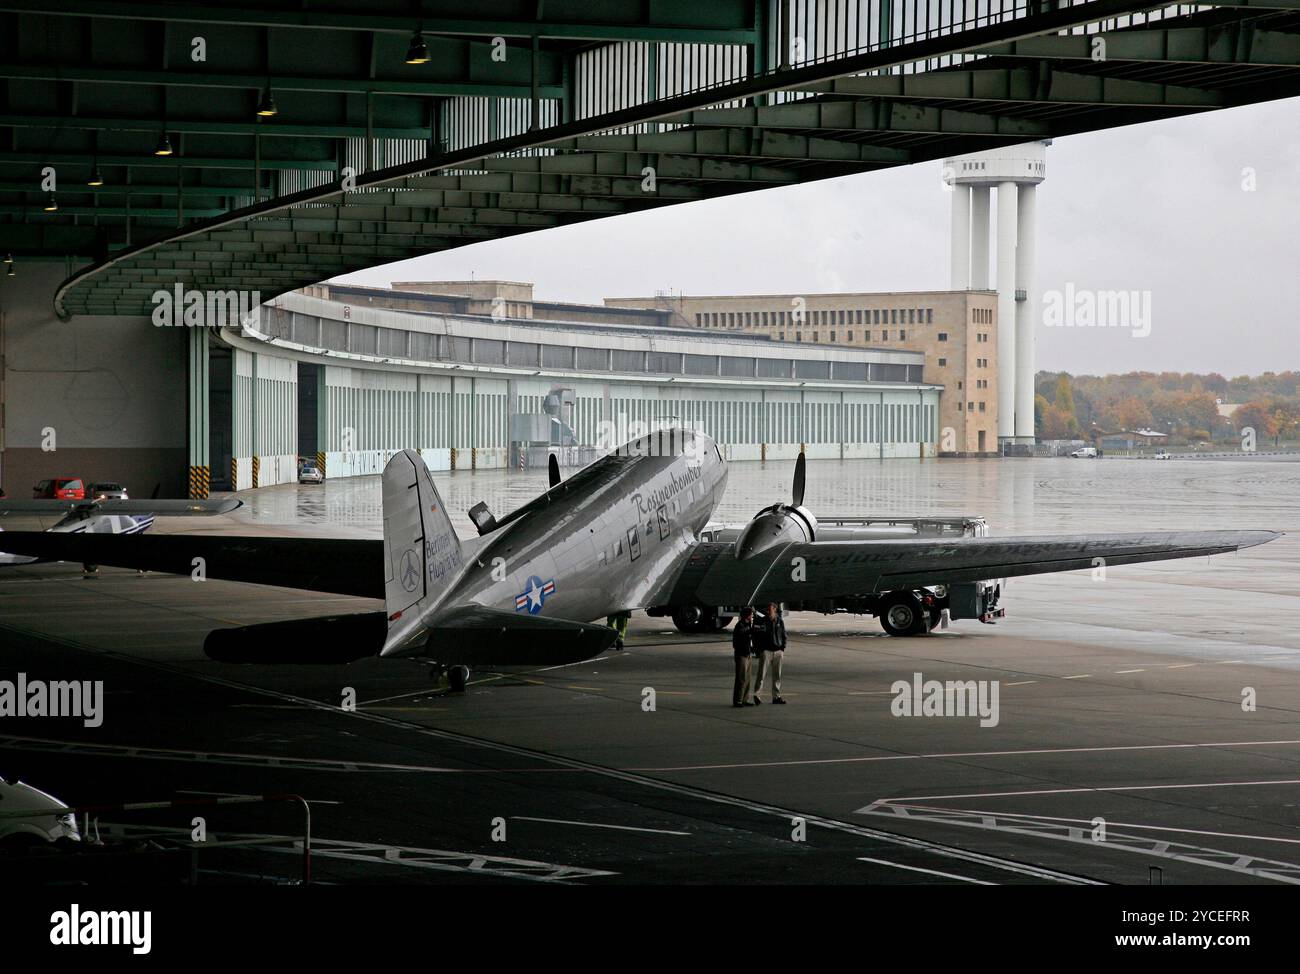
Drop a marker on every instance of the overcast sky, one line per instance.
(1156, 208)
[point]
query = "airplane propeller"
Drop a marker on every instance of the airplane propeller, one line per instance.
(553, 470)
(799, 477)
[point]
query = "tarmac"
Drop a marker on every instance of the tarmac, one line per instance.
(1147, 718)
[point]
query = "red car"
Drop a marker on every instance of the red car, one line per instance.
(60, 489)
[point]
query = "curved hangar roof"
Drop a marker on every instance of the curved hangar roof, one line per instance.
(387, 133)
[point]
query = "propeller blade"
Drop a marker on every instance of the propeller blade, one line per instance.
(799, 475)
(553, 470)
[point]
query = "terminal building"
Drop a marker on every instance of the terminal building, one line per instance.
(475, 375)
(478, 375)
(955, 332)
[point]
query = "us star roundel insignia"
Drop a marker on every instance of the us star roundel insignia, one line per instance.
(534, 595)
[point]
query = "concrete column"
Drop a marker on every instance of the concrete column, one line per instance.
(1006, 258)
(959, 277)
(979, 237)
(322, 420)
(254, 434)
(1026, 314)
(200, 477)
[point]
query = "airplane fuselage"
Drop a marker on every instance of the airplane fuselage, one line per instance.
(613, 543)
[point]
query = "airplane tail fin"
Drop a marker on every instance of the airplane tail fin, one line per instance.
(422, 555)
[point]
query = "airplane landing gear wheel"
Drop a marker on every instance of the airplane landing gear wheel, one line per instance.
(901, 615)
(457, 678)
(687, 618)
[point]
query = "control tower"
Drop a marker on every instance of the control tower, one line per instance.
(1015, 172)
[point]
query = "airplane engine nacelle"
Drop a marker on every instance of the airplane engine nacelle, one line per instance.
(773, 526)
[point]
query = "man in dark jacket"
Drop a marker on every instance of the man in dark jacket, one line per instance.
(771, 636)
(742, 648)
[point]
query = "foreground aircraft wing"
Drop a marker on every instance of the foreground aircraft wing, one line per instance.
(470, 634)
(842, 568)
(342, 566)
(476, 635)
(161, 508)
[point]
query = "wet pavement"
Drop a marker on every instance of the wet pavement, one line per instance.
(1121, 702)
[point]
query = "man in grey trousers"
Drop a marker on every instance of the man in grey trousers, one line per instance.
(770, 636)
(742, 648)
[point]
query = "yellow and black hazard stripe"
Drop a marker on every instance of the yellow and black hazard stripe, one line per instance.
(257, 468)
(234, 473)
(453, 458)
(200, 482)
(320, 462)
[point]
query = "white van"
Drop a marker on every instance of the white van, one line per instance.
(1085, 453)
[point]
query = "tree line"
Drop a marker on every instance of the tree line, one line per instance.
(1184, 405)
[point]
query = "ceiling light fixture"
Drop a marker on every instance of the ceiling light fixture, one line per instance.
(418, 51)
(267, 107)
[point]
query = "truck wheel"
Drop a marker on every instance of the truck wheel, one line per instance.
(901, 615)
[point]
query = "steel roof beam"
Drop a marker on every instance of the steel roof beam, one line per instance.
(616, 164)
(89, 158)
(852, 119)
(278, 82)
(738, 31)
(243, 127)
(1025, 85)
(1225, 45)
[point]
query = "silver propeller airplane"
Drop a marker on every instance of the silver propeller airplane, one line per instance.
(108, 516)
(620, 534)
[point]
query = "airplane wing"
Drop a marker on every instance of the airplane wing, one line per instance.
(339, 565)
(479, 636)
(829, 569)
(162, 508)
(469, 634)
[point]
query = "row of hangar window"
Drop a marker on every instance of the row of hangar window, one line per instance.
(844, 316)
(371, 340)
(866, 335)
(748, 421)
(367, 419)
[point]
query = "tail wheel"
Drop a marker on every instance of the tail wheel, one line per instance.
(901, 615)
(457, 678)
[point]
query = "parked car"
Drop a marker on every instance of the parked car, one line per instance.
(60, 489)
(50, 819)
(1162, 454)
(1085, 453)
(309, 473)
(107, 491)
